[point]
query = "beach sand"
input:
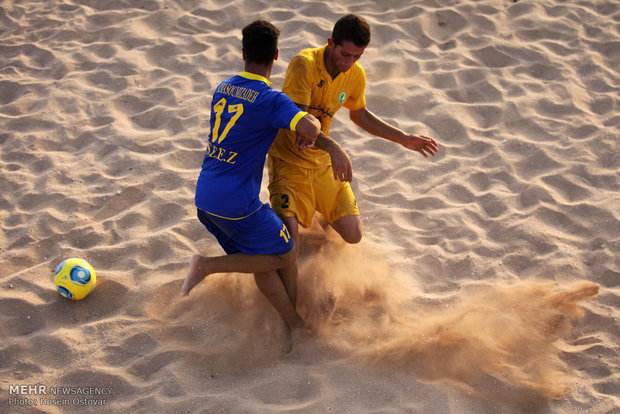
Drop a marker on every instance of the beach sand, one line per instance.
(488, 280)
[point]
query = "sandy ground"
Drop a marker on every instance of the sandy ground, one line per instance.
(488, 278)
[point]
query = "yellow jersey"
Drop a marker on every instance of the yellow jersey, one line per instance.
(307, 82)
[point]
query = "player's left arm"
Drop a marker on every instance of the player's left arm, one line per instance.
(376, 126)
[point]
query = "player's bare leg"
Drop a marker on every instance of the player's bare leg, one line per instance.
(270, 284)
(349, 228)
(202, 266)
(293, 228)
(319, 307)
(289, 274)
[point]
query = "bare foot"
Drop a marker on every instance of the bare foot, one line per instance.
(302, 332)
(299, 333)
(287, 347)
(195, 273)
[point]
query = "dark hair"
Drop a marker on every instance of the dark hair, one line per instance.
(260, 42)
(352, 28)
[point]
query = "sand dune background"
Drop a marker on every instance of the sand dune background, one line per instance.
(488, 280)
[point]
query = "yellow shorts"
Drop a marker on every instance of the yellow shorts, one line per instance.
(299, 192)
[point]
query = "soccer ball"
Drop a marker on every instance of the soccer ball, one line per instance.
(75, 278)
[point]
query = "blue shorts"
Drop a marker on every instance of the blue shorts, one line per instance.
(262, 232)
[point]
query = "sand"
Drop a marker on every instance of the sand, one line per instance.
(488, 280)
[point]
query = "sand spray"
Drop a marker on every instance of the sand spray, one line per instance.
(501, 331)
(492, 331)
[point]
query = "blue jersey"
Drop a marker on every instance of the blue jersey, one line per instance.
(246, 114)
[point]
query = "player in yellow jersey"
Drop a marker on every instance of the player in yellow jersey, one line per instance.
(321, 81)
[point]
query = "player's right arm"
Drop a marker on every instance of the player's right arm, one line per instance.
(308, 129)
(341, 162)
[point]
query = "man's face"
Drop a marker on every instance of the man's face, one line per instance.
(345, 55)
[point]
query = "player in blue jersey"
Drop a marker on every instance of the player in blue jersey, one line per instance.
(246, 114)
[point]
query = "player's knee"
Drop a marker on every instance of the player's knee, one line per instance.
(352, 236)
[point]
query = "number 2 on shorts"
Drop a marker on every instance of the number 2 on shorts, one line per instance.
(285, 200)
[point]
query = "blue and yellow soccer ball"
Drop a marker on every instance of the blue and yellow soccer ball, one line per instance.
(75, 278)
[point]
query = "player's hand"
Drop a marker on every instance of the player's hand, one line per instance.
(424, 145)
(302, 142)
(341, 164)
